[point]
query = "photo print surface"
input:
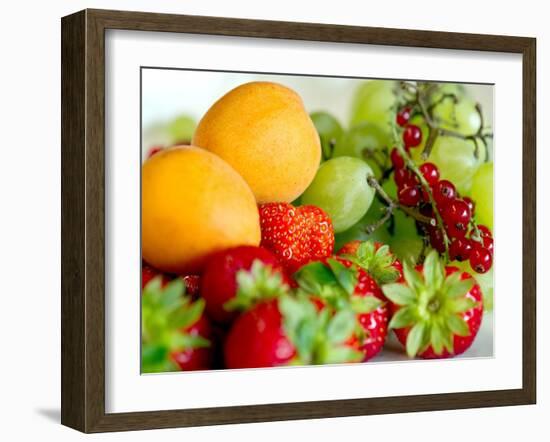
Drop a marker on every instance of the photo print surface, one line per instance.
(303, 220)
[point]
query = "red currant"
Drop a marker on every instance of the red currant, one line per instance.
(409, 196)
(396, 159)
(481, 259)
(455, 232)
(444, 192)
(436, 238)
(457, 213)
(412, 136)
(402, 176)
(489, 244)
(403, 116)
(430, 173)
(460, 249)
(470, 203)
(484, 231)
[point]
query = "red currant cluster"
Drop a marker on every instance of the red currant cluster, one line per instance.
(466, 239)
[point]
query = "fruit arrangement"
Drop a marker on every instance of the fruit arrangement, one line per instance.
(274, 237)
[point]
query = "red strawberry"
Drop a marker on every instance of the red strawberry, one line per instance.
(236, 278)
(297, 235)
(290, 330)
(342, 284)
(175, 333)
(148, 273)
(196, 358)
(374, 257)
(192, 282)
(437, 309)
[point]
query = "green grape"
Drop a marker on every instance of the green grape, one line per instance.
(482, 194)
(485, 281)
(373, 102)
(364, 136)
(340, 188)
(416, 153)
(358, 232)
(405, 242)
(456, 161)
(329, 130)
(390, 187)
(461, 117)
(447, 88)
(181, 129)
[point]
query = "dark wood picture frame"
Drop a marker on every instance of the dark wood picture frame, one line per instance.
(83, 219)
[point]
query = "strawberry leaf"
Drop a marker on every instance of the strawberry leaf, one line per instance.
(412, 277)
(433, 270)
(185, 317)
(341, 354)
(172, 294)
(313, 276)
(458, 325)
(404, 317)
(261, 282)
(416, 338)
(365, 304)
(436, 338)
(341, 326)
(346, 277)
(461, 305)
(460, 288)
(399, 294)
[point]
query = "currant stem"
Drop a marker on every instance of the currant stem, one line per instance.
(411, 165)
(391, 206)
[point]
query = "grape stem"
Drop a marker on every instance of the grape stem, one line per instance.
(434, 129)
(391, 206)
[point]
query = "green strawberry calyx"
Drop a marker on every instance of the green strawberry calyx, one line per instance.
(319, 337)
(432, 305)
(378, 263)
(260, 283)
(166, 312)
(335, 284)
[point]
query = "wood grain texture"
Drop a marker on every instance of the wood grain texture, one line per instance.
(83, 219)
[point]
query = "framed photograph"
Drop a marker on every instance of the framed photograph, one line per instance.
(266, 221)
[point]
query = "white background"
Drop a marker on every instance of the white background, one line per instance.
(30, 233)
(127, 390)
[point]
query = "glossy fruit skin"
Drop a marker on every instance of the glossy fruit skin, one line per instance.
(402, 177)
(412, 136)
(264, 132)
(410, 196)
(341, 189)
(396, 159)
(481, 259)
(430, 173)
(193, 204)
(470, 202)
(296, 235)
(403, 116)
(472, 317)
(219, 279)
(460, 249)
(257, 339)
(444, 192)
(198, 358)
(375, 323)
(457, 213)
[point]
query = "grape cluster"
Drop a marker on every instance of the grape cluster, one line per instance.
(466, 239)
